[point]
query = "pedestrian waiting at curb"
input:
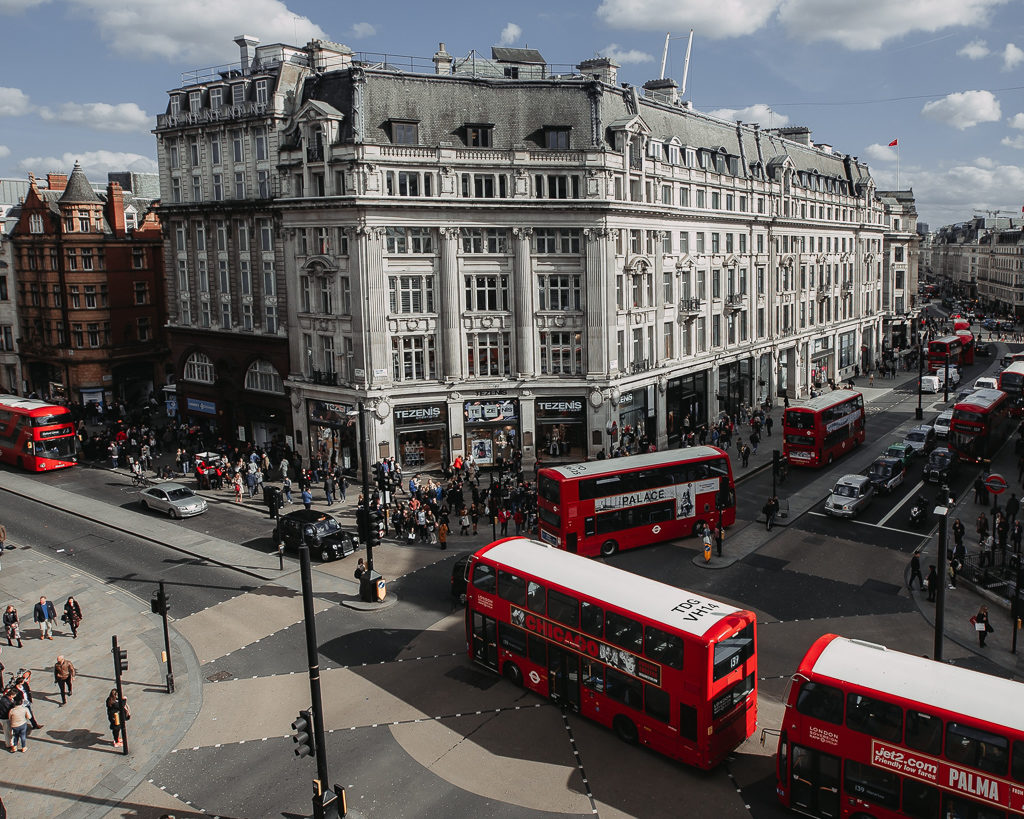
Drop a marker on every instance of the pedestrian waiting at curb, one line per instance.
(115, 706)
(932, 583)
(982, 625)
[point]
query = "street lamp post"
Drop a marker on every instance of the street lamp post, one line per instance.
(312, 656)
(919, 413)
(940, 600)
(945, 381)
(366, 487)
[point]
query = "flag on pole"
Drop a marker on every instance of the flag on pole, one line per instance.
(894, 143)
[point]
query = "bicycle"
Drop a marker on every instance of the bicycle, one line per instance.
(139, 480)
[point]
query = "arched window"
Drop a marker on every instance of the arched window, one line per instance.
(199, 368)
(262, 376)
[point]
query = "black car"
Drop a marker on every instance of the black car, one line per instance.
(941, 465)
(458, 582)
(983, 348)
(326, 539)
(886, 473)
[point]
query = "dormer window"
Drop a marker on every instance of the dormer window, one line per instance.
(238, 93)
(216, 98)
(35, 223)
(405, 132)
(175, 105)
(479, 136)
(195, 100)
(556, 138)
(262, 87)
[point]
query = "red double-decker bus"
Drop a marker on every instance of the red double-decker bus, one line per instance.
(600, 507)
(966, 345)
(1011, 381)
(662, 667)
(938, 348)
(35, 435)
(823, 429)
(871, 732)
(981, 424)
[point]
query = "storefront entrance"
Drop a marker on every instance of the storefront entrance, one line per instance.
(492, 429)
(636, 427)
(422, 432)
(333, 434)
(686, 406)
(561, 429)
(735, 385)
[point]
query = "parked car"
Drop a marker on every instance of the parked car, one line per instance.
(986, 383)
(930, 383)
(173, 499)
(900, 451)
(941, 466)
(850, 495)
(983, 348)
(324, 534)
(886, 474)
(921, 439)
(941, 425)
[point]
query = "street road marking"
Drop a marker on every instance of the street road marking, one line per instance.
(903, 500)
(873, 525)
(579, 761)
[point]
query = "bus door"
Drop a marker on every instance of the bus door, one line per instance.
(564, 677)
(485, 640)
(814, 782)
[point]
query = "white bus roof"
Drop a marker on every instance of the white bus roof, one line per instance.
(954, 689)
(609, 465)
(1016, 367)
(17, 402)
(829, 399)
(631, 592)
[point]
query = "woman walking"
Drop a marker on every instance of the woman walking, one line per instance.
(115, 706)
(981, 625)
(12, 626)
(72, 616)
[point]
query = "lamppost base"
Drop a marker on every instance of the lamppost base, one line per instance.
(918, 413)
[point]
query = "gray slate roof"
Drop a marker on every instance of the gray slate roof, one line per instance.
(78, 188)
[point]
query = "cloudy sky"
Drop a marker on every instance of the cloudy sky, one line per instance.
(86, 78)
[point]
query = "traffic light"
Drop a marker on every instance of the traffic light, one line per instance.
(159, 603)
(303, 738)
(776, 461)
(361, 525)
(375, 526)
(122, 659)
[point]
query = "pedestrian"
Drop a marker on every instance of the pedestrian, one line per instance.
(1012, 508)
(7, 702)
(982, 526)
(719, 538)
(23, 684)
(915, 571)
(64, 676)
(18, 718)
(932, 583)
(474, 516)
(768, 424)
(771, 509)
(342, 483)
(12, 626)
(307, 499)
(1016, 536)
(46, 615)
(504, 516)
(464, 522)
(958, 532)
(745, 455)
(442, 535)
(286, 489)
(115, 706)
(360, 569)
(871, 379)
(980, 491)
(237, 483)
(72, 616)
(755, 439)
(982, 625)
(329, 488)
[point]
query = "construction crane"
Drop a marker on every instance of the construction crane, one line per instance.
(994, 213)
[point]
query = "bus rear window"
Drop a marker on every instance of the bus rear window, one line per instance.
(547, 488)
(730, 653)
(799, 419)
(969, 417)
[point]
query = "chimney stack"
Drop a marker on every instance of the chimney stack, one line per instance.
(601, 69)
(442, 60)
(245, 42)
(115, 206)
(56, 181)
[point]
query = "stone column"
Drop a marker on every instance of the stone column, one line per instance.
(449, 306)
(659, 306)
(373, 305)
(524, 308)
(600, 306)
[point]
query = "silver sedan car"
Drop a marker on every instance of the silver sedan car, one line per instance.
(173, 499)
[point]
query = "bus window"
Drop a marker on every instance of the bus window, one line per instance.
(663, 647)
(657, 703)
(920, 800)
(512, 588)
(512, 639)
(1017, 770)
(731, 652)
(563, 608)
(592, 619)
(924, 732)
(593, 675)
(822, 702)
(874, 717)
(623, 631)
(627, 690)
(535, 594)
(976, 748)
(872, 784)
(483, 578)
(547, 488)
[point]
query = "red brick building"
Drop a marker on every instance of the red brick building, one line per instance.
(92, 309)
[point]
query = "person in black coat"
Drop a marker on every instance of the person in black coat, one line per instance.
(933, 583)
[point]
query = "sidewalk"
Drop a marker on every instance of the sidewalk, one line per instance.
(70, 769)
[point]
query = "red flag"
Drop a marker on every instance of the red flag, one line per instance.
(894, 143)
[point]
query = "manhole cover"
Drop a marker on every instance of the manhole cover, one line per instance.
(220, 676)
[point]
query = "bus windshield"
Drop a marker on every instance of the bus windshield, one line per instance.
(48, 420)
(965, 415)
(799, 420)
(56, 448)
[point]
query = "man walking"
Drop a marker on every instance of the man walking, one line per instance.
(915, 571)
(64, 675)
(1012, 508)
(46, 615)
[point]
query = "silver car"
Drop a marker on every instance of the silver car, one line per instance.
(849, 496)
(173, 499)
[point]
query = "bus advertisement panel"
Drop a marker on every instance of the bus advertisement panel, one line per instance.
(940, 348)
(868, 731)
(823, 428)
(981, 424)
(610, 645)
(35, 435)
(600, 507)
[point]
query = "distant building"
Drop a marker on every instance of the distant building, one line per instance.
(12, 191)
(493, 254)
(89, 271)
(982, 258)
(900, 263)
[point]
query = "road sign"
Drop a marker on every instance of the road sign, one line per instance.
(996, 483)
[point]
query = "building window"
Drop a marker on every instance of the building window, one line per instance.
(479, 136)
(487, 292)
(75, 298)
(560, 240)
(90, 296)
(72, 260)
(409, 240)
(239, 185)
(218, 187)
(35, 223)
(561, 353)
(172, 155)
(408, 183)
(144, 329)
(556, 186)
(94, 335)
(205, 317)
(489, 354)
(405, 133)
(225, 315)
(484, 240)
(193, 151)
(556, 139)
(7, 339)
(237, 146)
(247, 316)
(560, 292)
(87, 258)
(199, 368)
(77, 336)
(411, 294)
(261, 144)
(326, 296)
(197, 188)
(413, 358)
(266, 236)
(261, 92)
(84, 221)
(214, 148)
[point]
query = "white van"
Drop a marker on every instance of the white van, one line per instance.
(986, 383)
(930, 383)
(942, 423)
(954, 375)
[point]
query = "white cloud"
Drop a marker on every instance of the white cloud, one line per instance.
(1012, 57)
(510, 34)
(363, 30)
(18, 6)
(868, 24)
(101, 116)
(725, 18)
(170, 30)
(96, 164)
(1014, 142)
(974, 50)
(4, 151)
(623, 57)
(964, 110)
(1016, 121)
(953, 193)
(13, 102)
(880, 153)
(759, 113)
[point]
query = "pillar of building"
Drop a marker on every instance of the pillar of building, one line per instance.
(449, 302)
(373, 300)
(524, 307)
(600, 306)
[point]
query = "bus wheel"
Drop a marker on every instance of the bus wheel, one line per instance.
(608, 548)
(513, 674)
(625, 729)
(830, 460)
